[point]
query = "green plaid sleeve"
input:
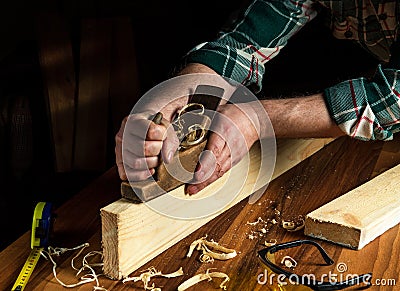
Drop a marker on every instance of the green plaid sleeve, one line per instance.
(254, 38)
(369, 109)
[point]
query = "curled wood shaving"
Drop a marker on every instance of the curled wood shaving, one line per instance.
(204, 258)
(151, 272)
(205, 246)
(289, 262)
(293, 226)
(204, 276)
(92, 276)
(271, 242)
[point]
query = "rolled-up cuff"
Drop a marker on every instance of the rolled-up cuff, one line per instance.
(350, 108)
(231, 63)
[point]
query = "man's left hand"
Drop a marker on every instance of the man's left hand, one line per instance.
(232, 135)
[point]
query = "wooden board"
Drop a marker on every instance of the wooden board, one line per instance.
(133, 234)
(93, 96)
(57, 66)
(361, 215)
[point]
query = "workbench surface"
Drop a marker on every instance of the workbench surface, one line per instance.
(334, 170)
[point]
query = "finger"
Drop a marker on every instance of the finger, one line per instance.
(210, 157)
(216, 144)
(205, 168)
(137, 125)
(141, 148)
(223, 164)
(140, 163)
(118, 149)
(156, 132)
(224, 161)
(118, 156)
(134, 175)
(226, 165)
(170, 144)
(121, 171)
(195, 188)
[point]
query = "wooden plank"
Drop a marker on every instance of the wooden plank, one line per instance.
(361, 215)
(133, 234)
(57, 67)
(93, 97)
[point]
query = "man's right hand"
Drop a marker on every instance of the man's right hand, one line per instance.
(138, 145)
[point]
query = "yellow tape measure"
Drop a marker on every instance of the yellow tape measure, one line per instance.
(27, 270)
(41, 228)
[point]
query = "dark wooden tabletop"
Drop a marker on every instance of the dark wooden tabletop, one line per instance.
(337, 168)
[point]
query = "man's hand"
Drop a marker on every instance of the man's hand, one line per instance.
(233, 132)
(138, 145)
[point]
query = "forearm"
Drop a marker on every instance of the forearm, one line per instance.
(302, 117)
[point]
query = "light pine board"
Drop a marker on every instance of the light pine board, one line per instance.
(361, 215)
(133, 234)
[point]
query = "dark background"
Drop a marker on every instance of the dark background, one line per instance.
(167, 29)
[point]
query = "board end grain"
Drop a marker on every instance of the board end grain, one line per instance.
(359, 216)
(109, 242)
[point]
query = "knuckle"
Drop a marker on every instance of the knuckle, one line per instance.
(136, 164)
(154, 132)
(216, 150)
(151, 148)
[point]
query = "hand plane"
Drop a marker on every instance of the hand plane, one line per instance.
(191, 125)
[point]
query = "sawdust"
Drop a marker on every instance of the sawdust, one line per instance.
(264, 225)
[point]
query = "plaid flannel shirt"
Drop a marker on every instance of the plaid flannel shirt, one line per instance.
(366, 109)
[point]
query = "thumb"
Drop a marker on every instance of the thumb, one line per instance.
(170, 144)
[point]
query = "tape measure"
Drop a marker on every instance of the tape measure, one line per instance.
(41, 228)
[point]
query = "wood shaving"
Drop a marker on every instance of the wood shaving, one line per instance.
(289, 225)
(204, 276)
(289, 262)
(92, 276)
(293, 225)
(151, 272)
(205, 246)
(204, 258)
(255, 222)
(271, 242)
